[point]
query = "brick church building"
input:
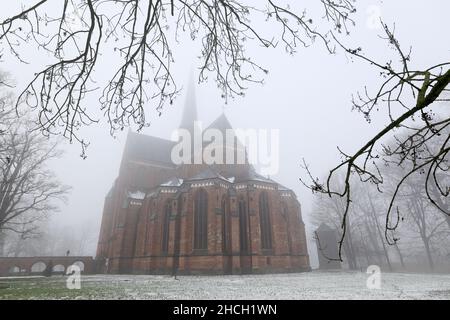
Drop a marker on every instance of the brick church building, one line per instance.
(162, 218)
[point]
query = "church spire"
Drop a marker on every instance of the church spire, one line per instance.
(190, 107)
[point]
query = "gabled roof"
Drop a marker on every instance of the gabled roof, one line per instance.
(150, 149)
(208, 173)
(252, 175)
(221, 123)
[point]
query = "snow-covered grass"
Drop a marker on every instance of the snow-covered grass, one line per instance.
(310, 285)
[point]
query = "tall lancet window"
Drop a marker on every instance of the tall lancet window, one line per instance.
(225, 226)
(264, 220)
(201, 220)
(166, 227)
(243, 227)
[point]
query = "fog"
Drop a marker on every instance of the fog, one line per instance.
(307, 96)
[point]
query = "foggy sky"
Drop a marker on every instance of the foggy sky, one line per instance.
(307, 96)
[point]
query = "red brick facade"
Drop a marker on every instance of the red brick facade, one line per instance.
(151, 216)
(132, 227)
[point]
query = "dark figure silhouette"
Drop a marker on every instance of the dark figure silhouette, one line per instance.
(49, 269)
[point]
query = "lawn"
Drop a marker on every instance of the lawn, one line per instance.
(311, 285)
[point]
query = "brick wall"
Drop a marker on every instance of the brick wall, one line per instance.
(136, 244)
(24, 264)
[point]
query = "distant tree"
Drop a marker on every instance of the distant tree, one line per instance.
(424, 220)
(6, 101)
(73, 239)
(27, 188)
(29, 191)
(421, 231)
(367, 207)
(2, 244)
(421, 136)
(330, 210)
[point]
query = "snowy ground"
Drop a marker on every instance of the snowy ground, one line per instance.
(311, 285)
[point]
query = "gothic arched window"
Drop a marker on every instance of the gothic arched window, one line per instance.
(243, 226)
(201, 220)
(288, 231)
(225, 225)
(166, 228)
(264, 220)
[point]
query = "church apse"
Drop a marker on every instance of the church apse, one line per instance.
(165, 218)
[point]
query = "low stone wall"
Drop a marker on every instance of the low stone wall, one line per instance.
(16, 266)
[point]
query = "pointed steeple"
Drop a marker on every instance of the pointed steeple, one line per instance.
(190, 107)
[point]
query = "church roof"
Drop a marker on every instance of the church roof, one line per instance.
(283, 188)
(174, 182)
(208, 173)
(145, 148)
(252, 175)
(111, 190)
(221, 123)
(136, 194)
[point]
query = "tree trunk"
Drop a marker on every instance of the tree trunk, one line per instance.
(374, 243)
(443, 205)
(366, 251)
(2, 244)
(348, 255)
(428, 251)
(350, 252)
(400, 255)
(422, 225)
(380, 234)
(17, 247)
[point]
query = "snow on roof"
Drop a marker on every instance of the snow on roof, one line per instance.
(174, 182)
(206, 174)
(252, 175)
(136, 194)
(283, 188)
